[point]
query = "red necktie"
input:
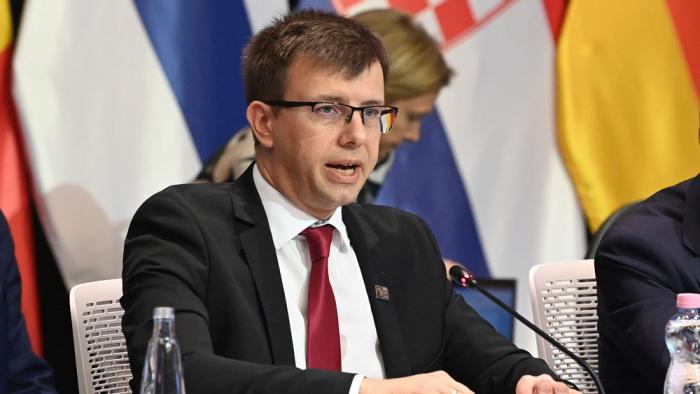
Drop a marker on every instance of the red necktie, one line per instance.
(322, 336)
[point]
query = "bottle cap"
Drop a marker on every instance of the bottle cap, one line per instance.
(166, 312)
(688, 300)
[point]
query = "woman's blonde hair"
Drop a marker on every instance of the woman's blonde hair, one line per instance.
(416, 65)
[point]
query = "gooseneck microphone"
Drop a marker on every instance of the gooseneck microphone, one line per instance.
(464, 278)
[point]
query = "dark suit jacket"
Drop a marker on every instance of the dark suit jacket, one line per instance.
(207, 250)
(20, 370)
(645, 259)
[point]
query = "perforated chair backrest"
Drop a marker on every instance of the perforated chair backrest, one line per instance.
(100, 348)
(564, 302)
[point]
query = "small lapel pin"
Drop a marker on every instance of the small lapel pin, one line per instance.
(381, 292)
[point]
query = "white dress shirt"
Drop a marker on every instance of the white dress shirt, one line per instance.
(359, 344)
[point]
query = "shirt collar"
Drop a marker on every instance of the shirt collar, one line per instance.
(285, 219)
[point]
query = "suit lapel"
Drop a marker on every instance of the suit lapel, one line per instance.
(259, 250)
(260, 255)
(365, 242)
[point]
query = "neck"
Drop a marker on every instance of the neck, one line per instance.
(269, 177)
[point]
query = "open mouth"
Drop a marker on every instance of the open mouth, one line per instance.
(344, 168)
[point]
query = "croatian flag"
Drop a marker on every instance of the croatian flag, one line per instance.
(119, 99)
(486, 174)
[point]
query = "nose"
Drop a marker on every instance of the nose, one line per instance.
(354, 131)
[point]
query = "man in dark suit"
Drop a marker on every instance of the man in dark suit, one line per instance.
(279, 281)
(647, 258)
(21, 371)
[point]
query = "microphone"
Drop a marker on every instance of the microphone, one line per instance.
(464, 278)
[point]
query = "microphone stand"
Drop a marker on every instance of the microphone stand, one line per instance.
(463, 278)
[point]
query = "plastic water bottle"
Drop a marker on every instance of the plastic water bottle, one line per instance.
(162, 369)
(683, 342)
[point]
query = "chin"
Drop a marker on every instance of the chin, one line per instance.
(346, 201)
(346, 198)
(337, 195)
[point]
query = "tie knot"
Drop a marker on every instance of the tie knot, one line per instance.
(319, 241)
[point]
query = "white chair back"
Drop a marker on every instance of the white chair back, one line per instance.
(100, 348)
(564, 302)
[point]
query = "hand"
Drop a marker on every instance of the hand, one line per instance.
(438, 382)
(543, 384)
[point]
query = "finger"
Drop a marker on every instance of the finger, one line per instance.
(462, 389)
(544, 384)
(459, 391)
(526, 385)
(543, 387)
(451, 384)
(561, 388)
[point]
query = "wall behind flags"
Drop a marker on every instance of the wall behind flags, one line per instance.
(116, 101)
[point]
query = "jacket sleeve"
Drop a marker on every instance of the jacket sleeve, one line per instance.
(476, 354)
(479, 356)
(26, 372)
(637, 285)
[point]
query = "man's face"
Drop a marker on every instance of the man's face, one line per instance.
(408, 123)
(315, 165)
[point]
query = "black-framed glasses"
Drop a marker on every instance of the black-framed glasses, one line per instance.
(379, 116)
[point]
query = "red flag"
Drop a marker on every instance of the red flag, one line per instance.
(555, 15)
(14, 190)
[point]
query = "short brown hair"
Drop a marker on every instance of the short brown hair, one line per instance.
(332, 41)
(417, 64)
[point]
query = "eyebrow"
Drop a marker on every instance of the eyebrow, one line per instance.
(342, 100)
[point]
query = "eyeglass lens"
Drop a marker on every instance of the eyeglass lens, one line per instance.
(379, 116)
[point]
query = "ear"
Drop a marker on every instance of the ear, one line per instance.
(260, 118)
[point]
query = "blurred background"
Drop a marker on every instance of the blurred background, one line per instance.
(560, 113)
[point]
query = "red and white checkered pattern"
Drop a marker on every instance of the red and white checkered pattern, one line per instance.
(446, 20)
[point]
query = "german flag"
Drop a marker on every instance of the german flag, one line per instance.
(628, 73)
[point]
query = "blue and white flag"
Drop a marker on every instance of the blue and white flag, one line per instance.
(119, 99)
(486, 174)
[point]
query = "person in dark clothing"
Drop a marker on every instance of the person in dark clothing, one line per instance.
(21, 371)
(280, 281)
